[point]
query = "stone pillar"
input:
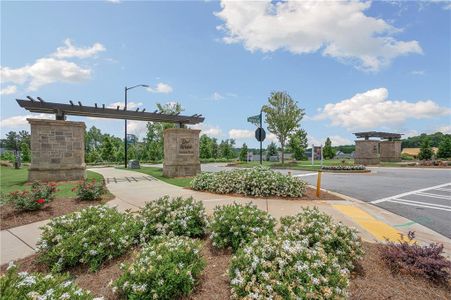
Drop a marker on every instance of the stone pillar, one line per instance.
(366, 152)
(57, 150)
(181, 152)
(390, 150)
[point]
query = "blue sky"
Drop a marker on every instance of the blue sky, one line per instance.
(352, 66)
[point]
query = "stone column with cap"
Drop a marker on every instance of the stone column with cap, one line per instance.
(57, 150)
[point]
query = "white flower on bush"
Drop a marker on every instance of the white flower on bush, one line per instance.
(80, 237)
(273, 268)
(177, 216)
(165, 268)
(258, 181)
(318, 229)
(234, 225)
(22, 285)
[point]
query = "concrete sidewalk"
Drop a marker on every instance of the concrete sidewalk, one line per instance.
(132, 190)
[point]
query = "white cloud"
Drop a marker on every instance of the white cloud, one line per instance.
(444, 129)
(313, 140)
(69, 50)
(47, 70)
(161, 87)
(372, 109)
(339, 29)
(130, 105)
(241, 134)
(138, 128)
(339, 140)
(22, 120)
(9, 90)
(211, 131)
(418, 72)
(216, 96)
(114, 1)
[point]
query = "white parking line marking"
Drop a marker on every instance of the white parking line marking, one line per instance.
(434, 196)
(443, 189)
(303, 175)
(418, 205)
(409, 193)
(424, 203)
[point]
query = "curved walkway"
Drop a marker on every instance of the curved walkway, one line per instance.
(133, 189)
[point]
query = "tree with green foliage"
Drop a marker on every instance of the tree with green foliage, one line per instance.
(297, 144)
(25, 152)
(425, 150)
(204, 146)
(243, 152)
(226, 149)
(415, 141)
(444, 149)
(283, 116)
(154, 140)
(214, 148)
(271, 150)
(328, 151)
(107, 150)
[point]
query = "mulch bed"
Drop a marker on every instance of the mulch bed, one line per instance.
(371, 280)
(11, 217)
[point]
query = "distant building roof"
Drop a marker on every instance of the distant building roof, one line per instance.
(378, 134)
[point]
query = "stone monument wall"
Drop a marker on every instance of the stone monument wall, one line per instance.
(390, 150)
(57, 150)
(366, 152)
(181, 152)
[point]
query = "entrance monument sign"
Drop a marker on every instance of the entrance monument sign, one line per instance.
(181, 152)
(57, 146)
(371, 152)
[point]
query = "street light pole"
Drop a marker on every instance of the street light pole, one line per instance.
(125, 137)
(125, 108)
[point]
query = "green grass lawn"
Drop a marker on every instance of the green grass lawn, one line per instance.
(158, 174)
(13, 180)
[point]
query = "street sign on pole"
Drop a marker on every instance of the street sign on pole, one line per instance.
(260, 134)
(254, 120)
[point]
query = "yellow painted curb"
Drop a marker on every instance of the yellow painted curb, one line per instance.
(380, 230)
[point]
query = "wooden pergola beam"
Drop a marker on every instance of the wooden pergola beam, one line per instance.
(108, 113)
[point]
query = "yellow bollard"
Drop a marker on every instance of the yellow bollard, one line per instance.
(318, 184)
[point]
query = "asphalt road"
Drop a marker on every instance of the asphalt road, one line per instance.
(397, 190)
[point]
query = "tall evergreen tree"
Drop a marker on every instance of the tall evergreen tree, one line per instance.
(205, 146)
(243, 152)
(328, 151)
(297, 144)
(25, 152)
(444, 149)
(425, 150)
(107, 150)
(271, 150)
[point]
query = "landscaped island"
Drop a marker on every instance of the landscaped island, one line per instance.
(171, 249)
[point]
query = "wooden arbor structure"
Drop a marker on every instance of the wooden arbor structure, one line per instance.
(370, 152)
(57, 146)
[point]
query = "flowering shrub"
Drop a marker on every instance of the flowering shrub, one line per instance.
(89, 236)
(234, 225)
(39, 195)
(258, 181)
(178, 216)
(427, 261)
(167, 268)
(14, 285)
(274, 268)
(86, 190)
(344, 168)
(318, 229)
